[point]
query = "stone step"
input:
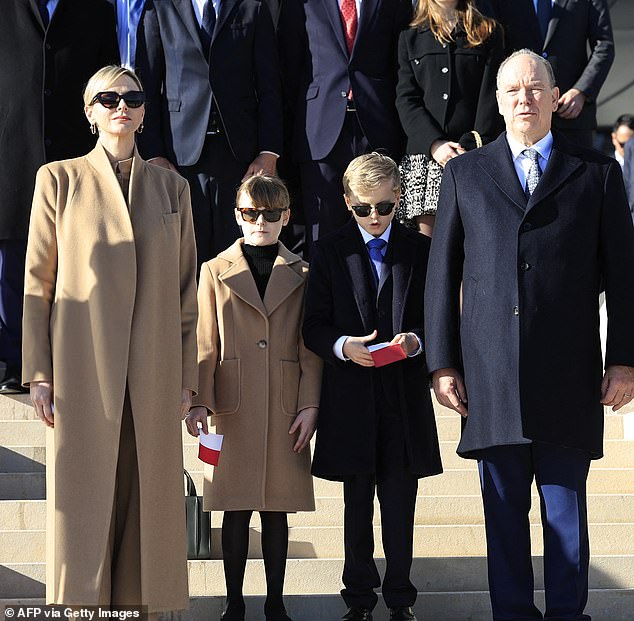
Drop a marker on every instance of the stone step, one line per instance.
(22, 433)
(22, 458)
(28, 546)
(603, 605)
(22, 485)
(16, 407)
(315, 576)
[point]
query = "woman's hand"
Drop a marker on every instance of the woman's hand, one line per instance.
(42, 399)
(304, 423)
(197, 415)
(186, 402)
(444, 150)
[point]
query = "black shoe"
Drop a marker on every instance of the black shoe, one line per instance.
(403, 613)
(232, 615)
(277, 616)
(11, 383)
(356, 613)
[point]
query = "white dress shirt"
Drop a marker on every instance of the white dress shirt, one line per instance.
(51, 5)
(522, 163)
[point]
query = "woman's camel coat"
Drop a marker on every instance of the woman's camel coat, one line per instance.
(110, 300)
(255, 375)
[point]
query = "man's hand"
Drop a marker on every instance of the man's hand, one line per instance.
(42, 399)
(617, 387)
(444, 150)
(186, 403)
(450, 390)
(571, 103)
(163, 162)
(407, 341)
(354, 348)
(197, 415)
(263, 164)
(304, 423)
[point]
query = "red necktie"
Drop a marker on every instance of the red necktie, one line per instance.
(349, 19)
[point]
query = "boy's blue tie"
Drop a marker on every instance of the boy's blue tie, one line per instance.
(375, 248)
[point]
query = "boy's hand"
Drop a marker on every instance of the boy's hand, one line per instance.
(304, 423)
(354, 348)
(197, 415)
(408, 342)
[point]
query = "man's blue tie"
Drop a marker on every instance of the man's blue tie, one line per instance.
(207, 26)
(42, 5)
(375, 248)
(544, 9)
(534, 172)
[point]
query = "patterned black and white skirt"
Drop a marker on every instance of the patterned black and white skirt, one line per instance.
(420, 185)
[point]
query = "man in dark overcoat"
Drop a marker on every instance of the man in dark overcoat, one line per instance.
(532, 225)
(376, 428)
(48, 50)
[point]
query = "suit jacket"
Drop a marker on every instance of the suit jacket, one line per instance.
(447, 90)
(318, 73)
(628, 173)
(242, 72)
(342, 300)
(42, 77)
(528, 337)
(574, 24)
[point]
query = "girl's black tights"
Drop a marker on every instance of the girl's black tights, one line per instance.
(235, 548)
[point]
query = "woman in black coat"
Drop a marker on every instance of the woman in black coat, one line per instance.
(448, 60)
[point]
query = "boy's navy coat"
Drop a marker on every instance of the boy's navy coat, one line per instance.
(341, 300)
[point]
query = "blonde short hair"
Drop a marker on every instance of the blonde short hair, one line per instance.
(106, 76)
(367, 172)
(265, 192)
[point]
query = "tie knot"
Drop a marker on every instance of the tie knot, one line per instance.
(376, 244)
(532, 155)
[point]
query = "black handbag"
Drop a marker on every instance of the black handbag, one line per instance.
(198, 524)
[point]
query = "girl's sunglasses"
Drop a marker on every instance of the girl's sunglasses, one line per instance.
(110, 99)
(270, 215)
(363, 211)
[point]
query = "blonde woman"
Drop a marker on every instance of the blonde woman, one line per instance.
(448, 60)
(110, 358)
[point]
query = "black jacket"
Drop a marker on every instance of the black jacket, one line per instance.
(446, 90)
(42, 78)
(341, 300)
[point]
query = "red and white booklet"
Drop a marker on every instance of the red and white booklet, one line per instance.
(386, 353)
(209, 448)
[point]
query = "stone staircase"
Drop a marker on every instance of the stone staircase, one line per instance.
(449, 569)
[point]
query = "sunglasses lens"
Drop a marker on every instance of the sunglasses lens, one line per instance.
(252, 215)
(108, 99)
(384, 208)
(134, 99)
(272, 215)
(363, 211)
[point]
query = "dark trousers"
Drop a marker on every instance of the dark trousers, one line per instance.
(506, 474)
(12, 257)
(396, 489)
(322, 188)
(213, 181)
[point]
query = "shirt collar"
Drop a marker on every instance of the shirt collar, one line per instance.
(543, 146)
(367, 237)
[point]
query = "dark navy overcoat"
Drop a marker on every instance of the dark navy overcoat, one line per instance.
(527, 339)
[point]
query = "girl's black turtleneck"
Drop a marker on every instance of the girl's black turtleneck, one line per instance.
(260, 260)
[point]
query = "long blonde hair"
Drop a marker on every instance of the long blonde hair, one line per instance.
(478, 27)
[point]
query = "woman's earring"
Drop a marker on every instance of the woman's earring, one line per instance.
(93, 128)
(140, 129)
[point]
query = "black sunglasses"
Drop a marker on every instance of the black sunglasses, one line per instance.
(252, 215)
(363, 211)
(111, 99)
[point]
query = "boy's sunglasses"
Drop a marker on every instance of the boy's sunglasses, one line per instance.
(252, 215)
(111, 99)
(363, 211)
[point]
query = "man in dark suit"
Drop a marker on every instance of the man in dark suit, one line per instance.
(48, 52)
(214, 113)
(339, 65)
(531, 225)
(376, 427)
(562, 31)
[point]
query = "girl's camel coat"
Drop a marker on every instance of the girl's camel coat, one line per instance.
(255, 375)
(110, 301)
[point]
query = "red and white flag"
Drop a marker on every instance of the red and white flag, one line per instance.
(209, 448)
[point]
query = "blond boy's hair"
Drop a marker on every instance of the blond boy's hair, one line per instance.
(367, 172)
(265, 192)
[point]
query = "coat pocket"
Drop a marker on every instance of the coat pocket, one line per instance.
(227, 386)
(290, 386)
(171, 218)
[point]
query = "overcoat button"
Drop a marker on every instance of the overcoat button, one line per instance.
(527, 226)
(445, 96)
(262, 344)
(525, 267)
(344, 93)
(444, 70)
(516, 310)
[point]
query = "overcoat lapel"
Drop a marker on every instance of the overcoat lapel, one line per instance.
(368, 9)
(402, 265)
(334, 15)
(283, 281)
(354, 257)
(498, 165)
(559, 8)
(36, 12)
(226, 7)
(186, 12)
(560, 166)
